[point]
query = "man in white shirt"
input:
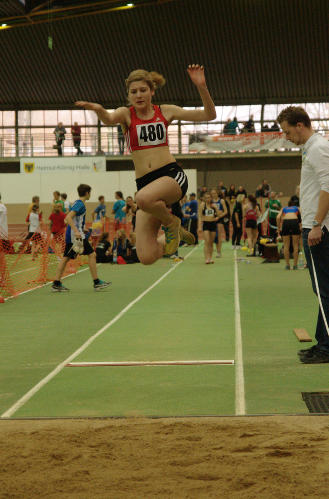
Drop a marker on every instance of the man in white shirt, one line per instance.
(314, 204)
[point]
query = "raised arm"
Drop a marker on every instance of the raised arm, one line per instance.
(208, 113)
(120, 115)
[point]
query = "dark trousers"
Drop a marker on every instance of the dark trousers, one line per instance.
(121, 143)
(59, 143)
(76, 143)
(192, 226)
(273, 232)
(237, 234)
(320, 254)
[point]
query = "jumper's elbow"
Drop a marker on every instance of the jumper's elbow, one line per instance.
(212, 115)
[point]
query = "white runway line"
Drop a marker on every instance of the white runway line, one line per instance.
(46, 284)
(240, 403)
(14, 408)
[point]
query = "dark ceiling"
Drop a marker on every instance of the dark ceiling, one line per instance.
(254, 51)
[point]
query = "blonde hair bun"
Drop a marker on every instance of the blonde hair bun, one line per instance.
(152, 78)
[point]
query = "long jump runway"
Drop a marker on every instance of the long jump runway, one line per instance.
(184, 339)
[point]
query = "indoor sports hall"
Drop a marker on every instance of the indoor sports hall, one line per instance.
(183, 378)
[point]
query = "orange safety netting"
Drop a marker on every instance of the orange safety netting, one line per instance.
(28, 263)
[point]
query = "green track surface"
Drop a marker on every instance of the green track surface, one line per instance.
(189, 315)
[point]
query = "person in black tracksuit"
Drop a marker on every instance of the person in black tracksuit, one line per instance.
(237, 216)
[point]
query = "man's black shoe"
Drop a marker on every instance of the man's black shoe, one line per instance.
(318, 357)
(307, 351)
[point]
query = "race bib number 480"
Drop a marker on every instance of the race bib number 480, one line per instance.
(151, 134)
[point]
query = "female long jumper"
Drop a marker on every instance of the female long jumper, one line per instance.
(160, 181)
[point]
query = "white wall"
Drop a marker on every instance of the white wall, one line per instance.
(18, 188)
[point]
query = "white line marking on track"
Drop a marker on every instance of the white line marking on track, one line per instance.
(138, 363)
(14, 408)
(240, 403)
(47, 283)
(25, 270)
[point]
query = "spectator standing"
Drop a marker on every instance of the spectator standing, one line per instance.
(274, 206)
(221, 188)
(225, 219)
(76, 137)
(231, 193)
(241, 190)
(259, 191)
(209, 218)
(58, 200)
(314, 204)
(66, 202)
(185, 210)
(265, 128)
(289, 223)
(251, 213)
(121, 140)
(192, 215)
(60, 137)
(202, 192)
(33, 220)
(266, 188)
(35, 201)
(100, 211)
(221, 210)
(57, 225)
(119, 214)
(237, 217)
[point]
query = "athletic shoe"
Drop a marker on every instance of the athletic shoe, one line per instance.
(233, 247)
(172, 236)
(307, 351)
(295, 267)
(317, 357)
(58, 288)
(287, 267)
(101, 285)
(186, 236)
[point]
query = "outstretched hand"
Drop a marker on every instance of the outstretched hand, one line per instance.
(196, 73)
(90, 106)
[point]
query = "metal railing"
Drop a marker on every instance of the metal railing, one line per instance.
(106, 141)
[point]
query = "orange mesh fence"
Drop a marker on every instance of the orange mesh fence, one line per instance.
(28, 263)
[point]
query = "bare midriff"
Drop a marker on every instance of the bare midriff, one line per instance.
(290, 216)
(151, 159)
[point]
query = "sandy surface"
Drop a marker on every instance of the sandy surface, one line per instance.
(252, 457)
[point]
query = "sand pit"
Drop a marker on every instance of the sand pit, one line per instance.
(251, 457)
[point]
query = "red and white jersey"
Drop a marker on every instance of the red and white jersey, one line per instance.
(145, 134)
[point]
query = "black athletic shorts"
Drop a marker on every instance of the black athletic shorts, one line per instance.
(172, 170)
(87, 249)
(251, 224)
(211, 226)
(290, 228)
